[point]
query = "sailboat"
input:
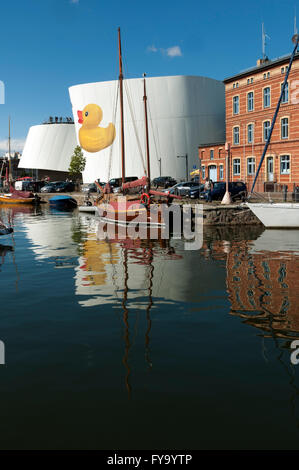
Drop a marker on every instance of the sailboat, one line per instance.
(123, 208)
(15, 196)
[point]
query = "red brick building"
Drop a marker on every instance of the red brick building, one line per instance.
(251, 98)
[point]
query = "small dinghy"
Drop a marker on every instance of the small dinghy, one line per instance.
(63, 202)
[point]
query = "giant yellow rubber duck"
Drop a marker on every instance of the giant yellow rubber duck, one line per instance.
(93, 138)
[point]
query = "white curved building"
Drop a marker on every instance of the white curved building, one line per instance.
(49, 147)
(184, 112)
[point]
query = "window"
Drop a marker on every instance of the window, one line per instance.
(284, 128)
(237, 85)
(266, 132)
(234, 85)
(285, 164)
(265, 76)
(211, 154)
(221, 175)
(285, 95)
(250, 102)
(251, 166)
(236, 105)
(236, 135)
(203, 172)
(236, 166)
(248, 81)
(268, 75)
(266, 97)
(250, 133)
(251, 80)
(282, 69)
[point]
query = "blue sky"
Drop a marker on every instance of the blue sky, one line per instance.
(49, 45)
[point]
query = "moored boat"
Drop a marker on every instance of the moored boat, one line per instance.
(277, 215)
(63, 202)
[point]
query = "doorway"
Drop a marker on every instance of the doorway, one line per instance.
(270, 169)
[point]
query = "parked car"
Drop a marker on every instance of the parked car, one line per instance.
(58, 187)
(49, 188)
(163, 182)
(237, 189)
(117, 182)
(89, 188)
(195, 191)
(181, 189)
(64, 186)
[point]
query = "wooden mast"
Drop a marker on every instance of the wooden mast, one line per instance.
(123, 169)
(146, 132)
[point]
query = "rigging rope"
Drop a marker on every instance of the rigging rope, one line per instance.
(134, 126)
(157, 148)
(114, 122)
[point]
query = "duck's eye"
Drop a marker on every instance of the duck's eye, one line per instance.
(86, 114)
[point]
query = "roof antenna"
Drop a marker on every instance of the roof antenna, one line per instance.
(264, 36)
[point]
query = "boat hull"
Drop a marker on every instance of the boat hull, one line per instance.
(12, 200)
(284, 215)
(128, 212)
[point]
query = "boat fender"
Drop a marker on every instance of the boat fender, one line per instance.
(145, 199)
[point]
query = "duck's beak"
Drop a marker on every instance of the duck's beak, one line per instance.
(80, 120)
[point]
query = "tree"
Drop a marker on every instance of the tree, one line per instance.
(78, 162)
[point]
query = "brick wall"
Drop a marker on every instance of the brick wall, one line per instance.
(255, 82)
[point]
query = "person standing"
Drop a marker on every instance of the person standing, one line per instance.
(208, 189)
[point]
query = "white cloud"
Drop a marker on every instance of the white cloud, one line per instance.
(174, 51)
(16, 145)
(152, 48)
(74, 1)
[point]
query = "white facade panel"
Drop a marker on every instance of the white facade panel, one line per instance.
(184, 112)
(49, 147)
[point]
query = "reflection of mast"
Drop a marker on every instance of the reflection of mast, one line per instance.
(126, 322)
(150, 303)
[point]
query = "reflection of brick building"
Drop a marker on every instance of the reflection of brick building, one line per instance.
(263, 287)
(251, 99)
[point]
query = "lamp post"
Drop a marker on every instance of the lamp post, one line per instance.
(226, 198)
(185, 156)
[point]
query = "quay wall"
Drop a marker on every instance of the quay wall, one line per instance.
(213, 214)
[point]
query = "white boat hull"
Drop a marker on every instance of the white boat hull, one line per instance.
(280, 215)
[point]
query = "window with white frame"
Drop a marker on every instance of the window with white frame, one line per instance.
(268, 75)
(267, 97)
(285, 128)
(282, 69)
(250, 133)
(221, 174)
(250, 101)
(203, 172)
(266, 130)
(285, 161)
(236, 166)
(211, 154)
(236, 105)
(236, 135)
(251, 80)
(285, 95)
(251, 166)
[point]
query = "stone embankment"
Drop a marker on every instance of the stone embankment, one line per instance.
(213, 213)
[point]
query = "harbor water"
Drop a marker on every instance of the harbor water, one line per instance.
(138, 344)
